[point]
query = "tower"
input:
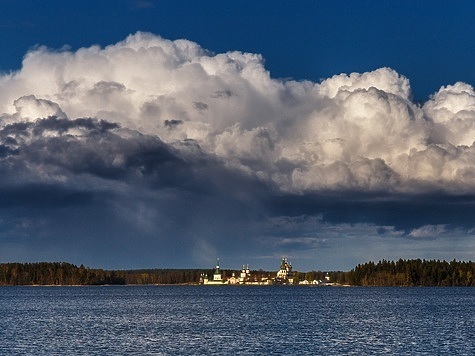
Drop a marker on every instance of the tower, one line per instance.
(217, 272)
(285, 274)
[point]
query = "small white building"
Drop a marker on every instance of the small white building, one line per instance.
(233, 279)
(217, 276)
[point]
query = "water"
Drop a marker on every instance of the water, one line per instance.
(203, 320)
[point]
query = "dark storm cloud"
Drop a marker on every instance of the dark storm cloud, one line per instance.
(152, 150)
(87, 182)
(402, 212)
(88, 146)
(142, 195)
(42, 196)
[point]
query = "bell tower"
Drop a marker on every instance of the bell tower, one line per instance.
(217, 272)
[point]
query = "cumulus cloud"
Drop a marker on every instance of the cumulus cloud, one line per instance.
(29, 108)
(147, 120)
(357, 131)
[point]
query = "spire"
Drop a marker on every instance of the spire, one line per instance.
(283, 263)
(217, 272)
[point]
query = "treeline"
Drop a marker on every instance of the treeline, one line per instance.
(62, 273)
(417, 272)
(383, 273)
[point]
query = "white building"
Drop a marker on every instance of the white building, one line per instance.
(217, 276)
(285, 274)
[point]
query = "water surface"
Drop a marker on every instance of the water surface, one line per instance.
(166, 320)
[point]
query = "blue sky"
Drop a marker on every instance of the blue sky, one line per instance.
(431, 44)
(141, 134)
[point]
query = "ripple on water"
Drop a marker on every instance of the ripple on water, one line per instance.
(244, 320)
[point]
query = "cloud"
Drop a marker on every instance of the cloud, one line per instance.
(173, 144)
(452, 109)
(427, 231)
(357, 131)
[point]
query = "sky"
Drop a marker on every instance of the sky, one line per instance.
(166, 134)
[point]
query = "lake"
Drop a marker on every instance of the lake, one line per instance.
(203, 320)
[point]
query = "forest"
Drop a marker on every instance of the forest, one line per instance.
(415, 272)
(62, 273)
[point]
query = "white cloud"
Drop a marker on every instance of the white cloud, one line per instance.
(384, 79)
(359, 131)
(428, 231)
(452, 109)
(28, 108)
